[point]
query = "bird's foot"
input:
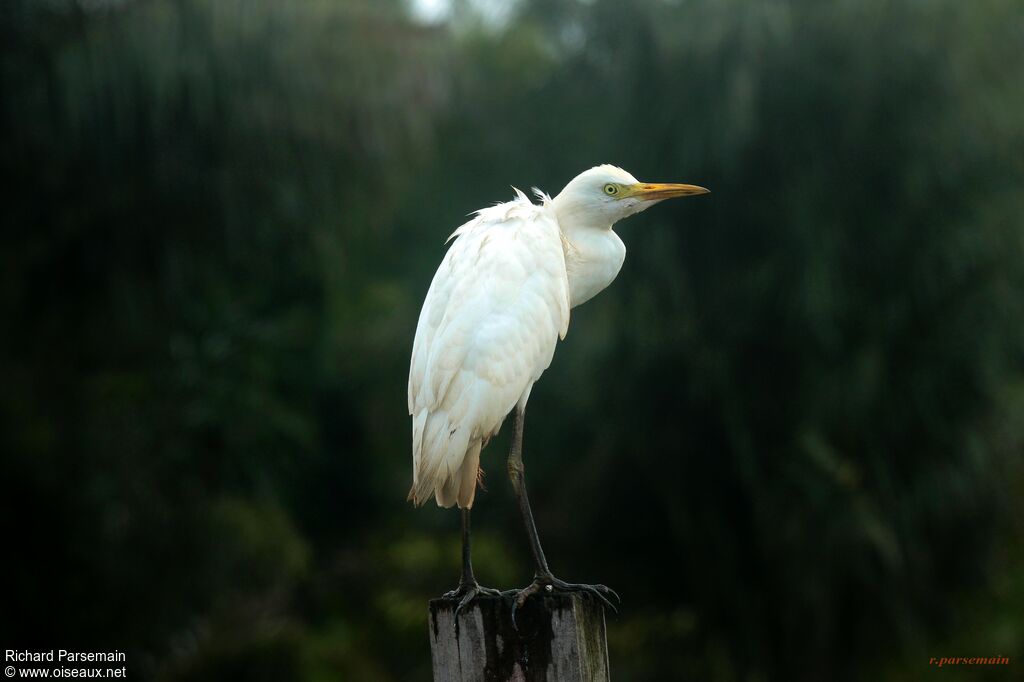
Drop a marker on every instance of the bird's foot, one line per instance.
(465, 593)
(549, 584)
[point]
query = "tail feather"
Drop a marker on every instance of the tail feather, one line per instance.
(447, 493)
(469, 475)
(445, 461)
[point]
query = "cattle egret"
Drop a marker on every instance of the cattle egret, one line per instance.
(495, 309)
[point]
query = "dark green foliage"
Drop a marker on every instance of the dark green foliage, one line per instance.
(789, 434)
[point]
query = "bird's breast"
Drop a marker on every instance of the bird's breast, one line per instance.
(593, 259)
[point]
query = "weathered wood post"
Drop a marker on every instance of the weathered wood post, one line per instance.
(561, 638)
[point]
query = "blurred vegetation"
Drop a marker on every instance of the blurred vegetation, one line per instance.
(789, 434)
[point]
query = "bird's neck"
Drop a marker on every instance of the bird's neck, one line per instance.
(593, 257)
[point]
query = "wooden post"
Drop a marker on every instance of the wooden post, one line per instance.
(561, 638)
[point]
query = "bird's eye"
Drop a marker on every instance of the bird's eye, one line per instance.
(611, 190)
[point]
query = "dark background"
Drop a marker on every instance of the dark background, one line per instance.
(789, 434)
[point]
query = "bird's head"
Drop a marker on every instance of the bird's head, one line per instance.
(603, 195)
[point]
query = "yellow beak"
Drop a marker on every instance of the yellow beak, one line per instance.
(656, 191)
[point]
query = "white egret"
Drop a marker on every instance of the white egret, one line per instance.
(495, 309)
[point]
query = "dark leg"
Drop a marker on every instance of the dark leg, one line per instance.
(517, 474)
(468, 588)
(543, 578)
(467, 553)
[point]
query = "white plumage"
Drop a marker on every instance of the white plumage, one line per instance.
(495, 310)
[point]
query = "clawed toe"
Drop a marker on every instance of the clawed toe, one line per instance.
(601, 592)
(521, 598)
(552, 584)
(466, 593)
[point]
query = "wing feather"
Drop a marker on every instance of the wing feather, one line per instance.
(487, 331)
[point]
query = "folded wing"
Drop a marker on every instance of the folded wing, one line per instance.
(487, 331)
